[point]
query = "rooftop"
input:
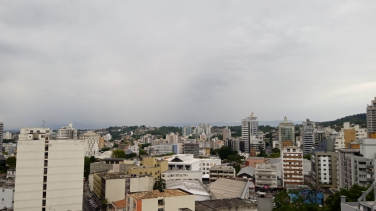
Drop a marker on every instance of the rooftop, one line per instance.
(157, 194)
(211, 205)
(192, 186)
(227, 188)
(221, 168)
(120, 204)
(247, 170)
(181, 172)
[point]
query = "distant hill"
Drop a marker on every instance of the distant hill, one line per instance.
(360, 119)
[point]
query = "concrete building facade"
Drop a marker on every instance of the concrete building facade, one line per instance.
(91, 143)
(67, 132)
(49, 172)
(249, 129)
(371, 118)
(324, 168)
(286, 133)
(265, 175)
(308, 136)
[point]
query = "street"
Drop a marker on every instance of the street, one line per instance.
(264, 204)
(86, 206)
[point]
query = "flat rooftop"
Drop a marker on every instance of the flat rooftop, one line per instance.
(222, 203)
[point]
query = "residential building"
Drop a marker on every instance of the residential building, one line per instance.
(113, 186)
(207, 163)
(249, 129)
(308, 136)
(91, 143)
(266, 176)
(324, 168)
(191, 147)
(292, 165)
(194, 187)
(348, 134)
(162, 149)
(371, 119)
(182, 175)
(149, 166)
(234, 144)
(168, 200)
(226, 133)
(187, 131)
(172, 138)
(233, 204)
(203, 137)
(48, 171)
(101, 143)
(220, 172)
(184, 162)
(1, 133)
(7, 136)
(9, 148)
(286, 133)
(224, 188)
(67, 132)
(356, 166)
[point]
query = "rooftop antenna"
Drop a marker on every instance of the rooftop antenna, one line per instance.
(44, 122)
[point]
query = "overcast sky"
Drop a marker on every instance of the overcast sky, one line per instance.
(102, 63)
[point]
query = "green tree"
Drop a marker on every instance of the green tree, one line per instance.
(214, 151)
(225, 151)
(105, 149)
(307, 156)
(262, 154)
(274, 155)
(118, 153)
(160, 185)
(11, 162)
(333, 202)
(276, 150)
(142, 152)
(145, 145)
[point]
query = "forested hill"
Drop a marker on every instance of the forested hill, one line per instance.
(360, 119)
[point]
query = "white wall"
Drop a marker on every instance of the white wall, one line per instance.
(6, 197)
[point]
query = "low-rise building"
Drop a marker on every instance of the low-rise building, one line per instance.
(233, 204)
(119, 205)
(224, 188)
(221, 171)
(7, 195)
(253, 161)
(149, 166)
(183, 162)
(194, 187)
(266, 176)
(208, 163)
(168, 200)
(246, 172)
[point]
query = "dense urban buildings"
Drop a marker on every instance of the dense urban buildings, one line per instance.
(91, 143)
(216, 172)
(191, 146)
(324, 168)
(286, 134)
(371, 119)
(266, 176)
(249, 129)
(49, 172)
(1, 133)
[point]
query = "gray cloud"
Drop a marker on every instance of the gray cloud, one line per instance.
(128, 62)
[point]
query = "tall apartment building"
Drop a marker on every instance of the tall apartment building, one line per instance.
(348, 134)
(324, 168)
(249, 129)
(187, 131)
(172, 138)
(234, 144)
(357, 166)
(226, 133)
(7, 136)
(292, 165)
(91, 143)
(191, 147)
(371, 119)
(49, 172)
(308, 136)
(286, 133)
(67, 132)
(1, 133)
(266, 175)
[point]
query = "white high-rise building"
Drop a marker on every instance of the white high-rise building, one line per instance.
(49, 172)
(1, 133)
(371, 118)
(91, 144)
(226, 133)
(249, 129)
(67, 132)
(107, 137)
(308, 136)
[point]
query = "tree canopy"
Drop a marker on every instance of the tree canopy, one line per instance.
(11, 162)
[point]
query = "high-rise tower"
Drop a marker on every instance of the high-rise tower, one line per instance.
(371, 119)
(249, 129)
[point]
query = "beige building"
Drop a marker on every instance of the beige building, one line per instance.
(286, 133)
(371, 119)
(149, 166)
(265, 175)
(168, 200)
(292, 165)
(221, 171)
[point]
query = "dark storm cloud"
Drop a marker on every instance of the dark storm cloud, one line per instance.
(130, 62)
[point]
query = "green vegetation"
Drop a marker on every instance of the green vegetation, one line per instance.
(87, 162)
(236, 131)
(145, 145)
(9, 141)
(5, 153)
(307, 156)
(11, 162)
(162, 131)
(117, 134)
(266, 128)
(160, 185)
(142, 152)
(360, 119)
(119, 153)
(262, 154)
(105, 149)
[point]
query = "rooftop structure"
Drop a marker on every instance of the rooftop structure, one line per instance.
(225, 204)
(230, 188)
(194, 187)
